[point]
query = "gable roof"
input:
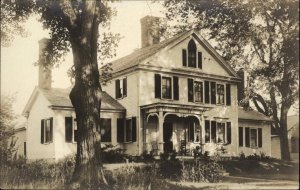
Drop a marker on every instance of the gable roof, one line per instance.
(139, 55)
(58, 97)
(252, 115)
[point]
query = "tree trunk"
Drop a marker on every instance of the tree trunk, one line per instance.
(284, 145)
(86, 99)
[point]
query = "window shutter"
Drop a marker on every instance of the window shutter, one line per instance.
(241, 136)
(213, 92)
(184, 57)
(247, 136)
(120, 130)
(51, 130)
(206, 92)
(190, 90)
(214, 131)
(175, 88)
(133, 123)
(125, 87)
(118, 95)
(200, 60)
(68, 129)
(25, 151)
(207, 131)
(228, 132)
(42, 131)
(157, 85)
(259, 137)
(228, 95)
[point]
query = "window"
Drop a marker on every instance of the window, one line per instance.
(189, 56)
(198, 91)
(217, 132)
(253, 137)
(121, 88)
(105, 129)
(163, 87)
(221, 133)
(220, 94)
(46, 130)
(192, 53)
(126, 130)
(70, 130)
(166, 88)
(191, 131)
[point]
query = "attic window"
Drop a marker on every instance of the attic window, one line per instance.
(190, 56)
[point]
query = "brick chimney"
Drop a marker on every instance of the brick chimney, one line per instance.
(45, 73)
(150, 27)
(241, 89)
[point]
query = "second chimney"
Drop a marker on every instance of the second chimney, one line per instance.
(150, 28)
(45, 72)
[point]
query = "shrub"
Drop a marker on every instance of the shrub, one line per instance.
(147, 157)
(113, 154)
(201, 170)
(170, 169)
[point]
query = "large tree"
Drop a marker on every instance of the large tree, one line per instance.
(73, 24)
(261, 36)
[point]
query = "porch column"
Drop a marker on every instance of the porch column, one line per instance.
(160, 131)
(202, 131)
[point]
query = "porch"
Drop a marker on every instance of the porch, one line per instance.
(173, 128)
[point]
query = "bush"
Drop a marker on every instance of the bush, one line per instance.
(170, 169)
(112, 154)
(202, 170)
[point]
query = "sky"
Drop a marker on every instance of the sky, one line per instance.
(19, 76)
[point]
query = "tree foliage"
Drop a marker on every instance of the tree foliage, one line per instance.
(7, 116)
(260, 36)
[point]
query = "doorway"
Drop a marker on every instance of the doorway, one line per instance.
(167, 133)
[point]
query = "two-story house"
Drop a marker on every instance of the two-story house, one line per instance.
(171, 95)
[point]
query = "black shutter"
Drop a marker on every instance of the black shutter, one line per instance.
(184, 57)
(25, 151)
(213, 131)
(228, 95)
(51, 130)
(206, 92)
(228, 132)
(207, 131)
(241, 136)
(118, 95)
(157, 85)
(42, 131)
(175, 88)
(190, 90)
(200, 60)
(133, 123)
(120, 130)
(125, 87)
(247, 136)
(259, 137)
(68, 129)
(213, 92)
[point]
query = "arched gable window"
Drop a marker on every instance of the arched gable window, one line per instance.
(192, 50)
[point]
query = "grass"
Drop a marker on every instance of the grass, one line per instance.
(266, 169)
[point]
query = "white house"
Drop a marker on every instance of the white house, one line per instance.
(171, 95)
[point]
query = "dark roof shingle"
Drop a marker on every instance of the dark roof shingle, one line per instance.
(60, 97)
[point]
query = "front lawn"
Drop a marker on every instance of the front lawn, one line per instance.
(263, 169)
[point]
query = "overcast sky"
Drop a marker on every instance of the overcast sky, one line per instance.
(18, 74)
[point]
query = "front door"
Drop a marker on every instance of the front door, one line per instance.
(168, 130)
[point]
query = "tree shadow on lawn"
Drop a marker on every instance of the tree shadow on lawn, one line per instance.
(263, 169)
